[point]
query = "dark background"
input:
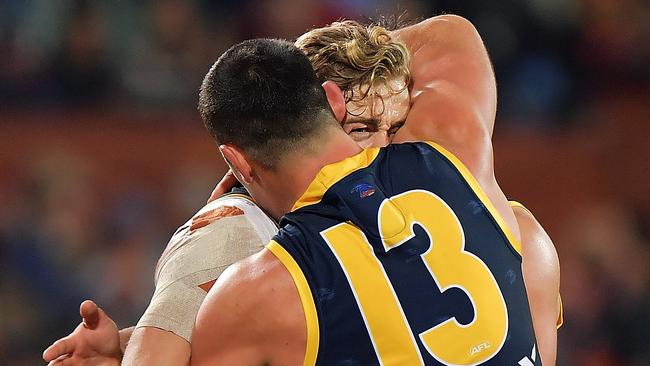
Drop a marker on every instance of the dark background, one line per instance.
(103, 155)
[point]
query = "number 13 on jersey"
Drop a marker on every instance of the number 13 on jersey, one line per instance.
(449, 342)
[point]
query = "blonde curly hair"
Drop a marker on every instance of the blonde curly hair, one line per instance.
(354, 55)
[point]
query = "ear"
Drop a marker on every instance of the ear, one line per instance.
(335, 99)
(238, 162)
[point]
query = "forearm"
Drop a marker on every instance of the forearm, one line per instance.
(153, 346)
(125, 336)
(448, 50)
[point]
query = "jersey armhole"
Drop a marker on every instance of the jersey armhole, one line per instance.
(513, 242)
(306, 298)
(517, 246)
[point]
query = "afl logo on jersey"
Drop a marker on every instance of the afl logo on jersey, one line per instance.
(364, 190)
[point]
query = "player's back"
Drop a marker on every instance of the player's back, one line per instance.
(406, 262)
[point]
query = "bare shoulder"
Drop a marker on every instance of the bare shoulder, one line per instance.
(243, 287)
(251, 314)
(539, 254)
(532, 232)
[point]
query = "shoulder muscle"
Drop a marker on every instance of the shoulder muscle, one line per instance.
(249, 314)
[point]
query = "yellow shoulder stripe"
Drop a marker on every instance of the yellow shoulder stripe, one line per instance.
(514, 204)
(332, 173)
(469, 178)
(560, 315)
(518, 204)
(306, 298)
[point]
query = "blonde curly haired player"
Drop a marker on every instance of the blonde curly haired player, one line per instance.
(372, 69)
(371, 65)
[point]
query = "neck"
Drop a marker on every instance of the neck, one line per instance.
(294, 176)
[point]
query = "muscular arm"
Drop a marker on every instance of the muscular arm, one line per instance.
(453, 88)
(454, 98)
(252, 316)
(541, 269)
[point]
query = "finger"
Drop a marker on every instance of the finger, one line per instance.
(225, 185)
(58, 361)
(59, 348)
(90, 314)
(215, 194)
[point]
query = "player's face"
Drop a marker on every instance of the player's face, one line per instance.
(374, 120)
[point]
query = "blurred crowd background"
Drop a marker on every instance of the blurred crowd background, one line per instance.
(103, 155)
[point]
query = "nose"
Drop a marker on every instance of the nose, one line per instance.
(381, 138)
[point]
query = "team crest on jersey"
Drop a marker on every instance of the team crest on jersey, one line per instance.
(209, 217)
(364, 190)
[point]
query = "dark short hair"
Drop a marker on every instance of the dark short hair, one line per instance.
(263, 96)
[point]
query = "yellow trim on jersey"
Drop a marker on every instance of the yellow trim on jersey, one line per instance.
(518, 204)
(560, 316)
(387, 325)
(306, 298)
(332, 173)
(514, 204)
(469, 178)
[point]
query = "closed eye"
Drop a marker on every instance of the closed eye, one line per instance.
(395, 127)
(360, 130)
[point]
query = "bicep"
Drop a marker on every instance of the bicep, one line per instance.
(153, 346)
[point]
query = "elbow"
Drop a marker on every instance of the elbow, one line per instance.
(458, 21)
(453, 26)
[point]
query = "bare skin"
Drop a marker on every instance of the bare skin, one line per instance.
(253, 314)
(95, 341)
(454, 104)
(458, 112)
(453, 99)
(541, 270)
(153, 346)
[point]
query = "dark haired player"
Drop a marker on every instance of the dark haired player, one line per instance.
(166, 325)
(393, 256)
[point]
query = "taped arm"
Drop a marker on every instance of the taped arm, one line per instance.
(162, 336)
(185, 274)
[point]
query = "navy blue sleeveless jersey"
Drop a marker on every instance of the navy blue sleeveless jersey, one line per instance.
(400, 259)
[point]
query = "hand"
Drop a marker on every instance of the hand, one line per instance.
(225, 185)
(95, 341)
